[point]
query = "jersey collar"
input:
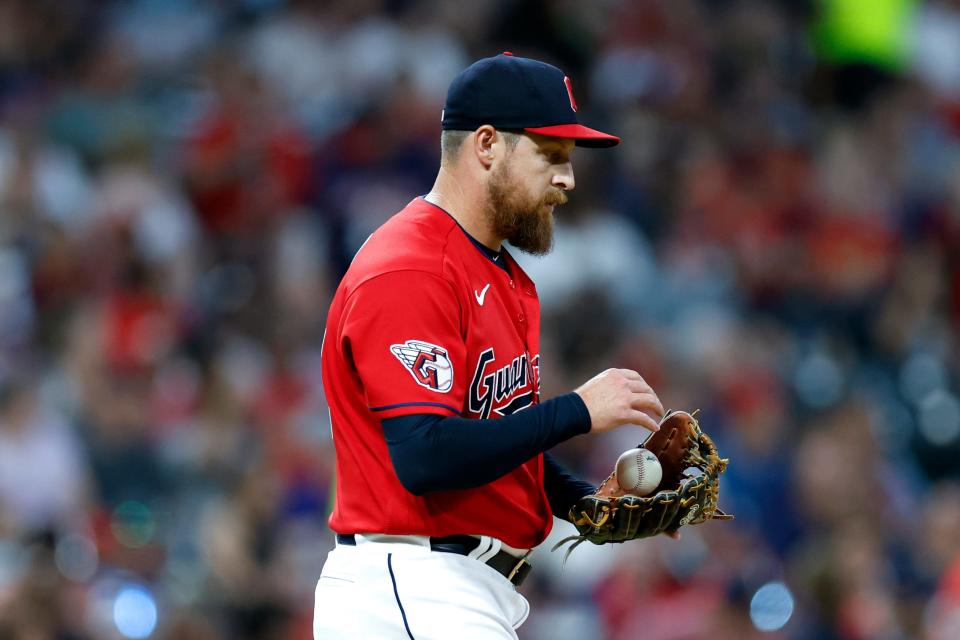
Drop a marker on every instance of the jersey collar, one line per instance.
(496, 257)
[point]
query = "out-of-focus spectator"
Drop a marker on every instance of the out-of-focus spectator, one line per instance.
(43, 481)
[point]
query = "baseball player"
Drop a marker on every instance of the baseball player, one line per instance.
(431, 367)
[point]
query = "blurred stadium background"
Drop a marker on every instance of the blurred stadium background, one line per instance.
(776, 242)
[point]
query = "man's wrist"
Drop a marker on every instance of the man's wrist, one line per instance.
(580, 408)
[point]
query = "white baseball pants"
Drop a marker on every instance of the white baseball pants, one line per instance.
(405, 591)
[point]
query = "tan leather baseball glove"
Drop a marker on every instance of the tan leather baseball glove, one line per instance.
(687, 494)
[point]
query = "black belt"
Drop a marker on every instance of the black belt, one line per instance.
(510, 566)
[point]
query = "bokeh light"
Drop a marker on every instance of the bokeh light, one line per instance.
(133, 524)
(771, 606)
(135, 611)
(76, 557)
(940, 417)
(818, 381)
(921, 374)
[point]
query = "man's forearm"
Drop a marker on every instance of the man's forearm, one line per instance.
(435, 453)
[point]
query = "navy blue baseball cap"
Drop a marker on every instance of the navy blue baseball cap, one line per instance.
(510, 92)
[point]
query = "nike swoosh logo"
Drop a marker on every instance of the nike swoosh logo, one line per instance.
(480, 296)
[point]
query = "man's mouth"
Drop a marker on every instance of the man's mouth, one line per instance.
(554, 202)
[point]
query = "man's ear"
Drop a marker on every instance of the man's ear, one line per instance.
(483, 141)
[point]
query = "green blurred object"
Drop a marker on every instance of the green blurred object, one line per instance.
(869, 31)
(133, 524)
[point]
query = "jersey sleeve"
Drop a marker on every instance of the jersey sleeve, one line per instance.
(401, 331)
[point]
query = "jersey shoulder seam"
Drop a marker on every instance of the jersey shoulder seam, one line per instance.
(382, 274)
(446, 242)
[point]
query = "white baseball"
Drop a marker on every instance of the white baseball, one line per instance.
(638, 471)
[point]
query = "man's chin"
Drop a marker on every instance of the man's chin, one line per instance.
(535, 235)
(536, 253)
(540, 248)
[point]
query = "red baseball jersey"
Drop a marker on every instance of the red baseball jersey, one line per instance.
(425, 322)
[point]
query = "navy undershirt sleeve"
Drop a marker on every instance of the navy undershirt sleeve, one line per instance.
(435, 453)
(563, 489)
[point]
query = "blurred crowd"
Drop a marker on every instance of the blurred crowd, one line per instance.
(776, 242)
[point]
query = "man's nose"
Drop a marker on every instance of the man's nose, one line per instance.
(564, 179)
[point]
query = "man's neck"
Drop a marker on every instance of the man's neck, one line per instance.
(466, 208)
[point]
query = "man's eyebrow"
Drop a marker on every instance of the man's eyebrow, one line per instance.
(555, 151)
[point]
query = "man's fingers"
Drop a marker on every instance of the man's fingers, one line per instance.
(643, 420)
(639, 386)
(648, 402)
(620, 396)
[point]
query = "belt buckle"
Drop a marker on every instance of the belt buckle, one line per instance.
(519, 565)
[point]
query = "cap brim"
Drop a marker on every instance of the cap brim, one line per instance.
(584, 136)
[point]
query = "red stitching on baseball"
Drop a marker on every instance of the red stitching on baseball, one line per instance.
(640, 471)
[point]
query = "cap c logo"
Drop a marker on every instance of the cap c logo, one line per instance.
(567, 83)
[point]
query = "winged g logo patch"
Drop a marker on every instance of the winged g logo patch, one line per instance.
(427, 363)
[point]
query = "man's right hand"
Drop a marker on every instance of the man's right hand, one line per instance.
(620, 396)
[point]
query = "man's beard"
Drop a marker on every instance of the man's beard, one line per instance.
(525, 222)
